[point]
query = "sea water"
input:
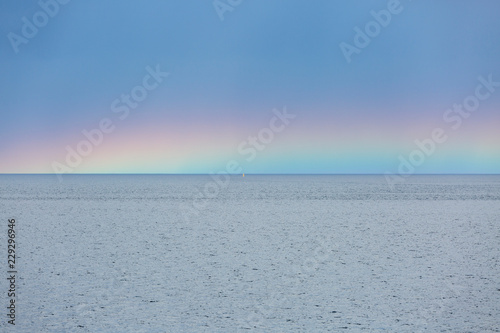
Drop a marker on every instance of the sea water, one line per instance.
(263, 253)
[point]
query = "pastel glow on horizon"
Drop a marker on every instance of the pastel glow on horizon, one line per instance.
(227, 77)
(162, 149)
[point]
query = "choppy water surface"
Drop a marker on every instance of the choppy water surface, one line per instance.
(260, 253)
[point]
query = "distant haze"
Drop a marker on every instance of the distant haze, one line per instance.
(225, 78)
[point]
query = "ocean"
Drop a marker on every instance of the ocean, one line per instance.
(260, 253)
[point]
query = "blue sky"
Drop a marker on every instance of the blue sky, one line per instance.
(226, 77)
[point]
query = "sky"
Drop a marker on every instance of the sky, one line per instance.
(272, 86)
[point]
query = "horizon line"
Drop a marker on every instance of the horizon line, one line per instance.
(255, 174)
